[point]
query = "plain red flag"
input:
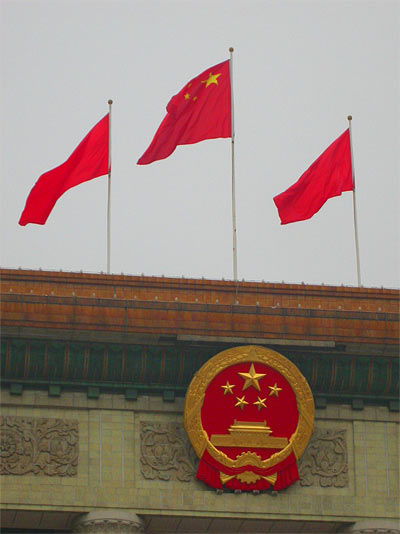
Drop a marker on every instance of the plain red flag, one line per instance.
(89, 160)
(329, 176)
(201, 110)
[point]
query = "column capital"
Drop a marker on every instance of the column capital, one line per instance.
(108, 522)
(375, 526)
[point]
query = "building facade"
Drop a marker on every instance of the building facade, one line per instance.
(94, 374)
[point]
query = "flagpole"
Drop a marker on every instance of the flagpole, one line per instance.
(109, 189)
(349, 118)
(233, 169)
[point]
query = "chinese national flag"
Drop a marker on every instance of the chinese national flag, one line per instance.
(201, 110)
(329, 176)
(89, 160)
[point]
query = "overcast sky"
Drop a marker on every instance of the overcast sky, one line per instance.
(300, 67)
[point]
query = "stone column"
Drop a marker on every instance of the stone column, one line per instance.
(108, 522)
(374, 526)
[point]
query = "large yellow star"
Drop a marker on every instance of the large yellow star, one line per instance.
(274, 390)
(228, 388)
(241, 402)
(260, 403)
(251, 378)
(212, 78)
(187, 96)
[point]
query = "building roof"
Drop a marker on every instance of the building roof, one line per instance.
(141, 331)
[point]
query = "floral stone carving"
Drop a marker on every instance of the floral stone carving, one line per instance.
(166, 453)
(325, 460)
(38, 446)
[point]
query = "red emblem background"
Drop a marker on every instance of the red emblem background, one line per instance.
(249, 392)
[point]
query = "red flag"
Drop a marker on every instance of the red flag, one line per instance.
(328, 177)
(89, 160)
(201, 110)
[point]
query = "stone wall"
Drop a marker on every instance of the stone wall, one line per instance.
(82, 455)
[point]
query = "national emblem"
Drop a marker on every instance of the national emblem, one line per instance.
(251, 441)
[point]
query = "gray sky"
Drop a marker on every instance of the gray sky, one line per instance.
(300, 67)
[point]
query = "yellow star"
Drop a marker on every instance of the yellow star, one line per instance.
(241, 402)
(212, 78)
(251, 378)
(187, 96)
(274, 390)
(228, 388)
(260, 403)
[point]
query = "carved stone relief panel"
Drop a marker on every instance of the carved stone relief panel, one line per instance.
(38, 446)
(325, 461)
(165, 452)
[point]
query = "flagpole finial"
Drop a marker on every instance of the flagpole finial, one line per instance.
(349, 117)
(231, 49)
(110, 102)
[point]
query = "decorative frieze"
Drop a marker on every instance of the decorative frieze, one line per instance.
(166, 453)
(325, 461)
(38, 446)
(120, 363)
